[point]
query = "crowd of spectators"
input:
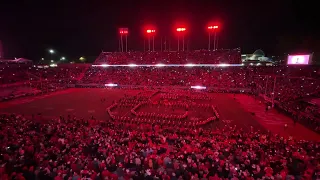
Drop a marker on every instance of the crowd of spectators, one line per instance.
(292, 88)
(71, 148)
(288, 86)
(168, 76)
(171, 57)
(11, 74)
(21, 80)
(16, 92)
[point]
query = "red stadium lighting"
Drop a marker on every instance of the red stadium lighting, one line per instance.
(213, 29)
(181, 29)
(149, 31)
(123, 32)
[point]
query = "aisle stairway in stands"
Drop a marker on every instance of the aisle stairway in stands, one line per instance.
(83, 73)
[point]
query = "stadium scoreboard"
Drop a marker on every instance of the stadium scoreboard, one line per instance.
(301, 59)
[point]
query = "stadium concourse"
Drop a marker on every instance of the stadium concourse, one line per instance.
(79, 121)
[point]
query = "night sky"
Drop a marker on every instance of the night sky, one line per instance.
(86, 27)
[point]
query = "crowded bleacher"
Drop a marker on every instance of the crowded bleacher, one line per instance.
(155, 145)
(287, 86)
(183, 57)
(20, 80)
(71, 148)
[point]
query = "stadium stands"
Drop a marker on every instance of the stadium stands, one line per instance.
(74, 148)
(155, 145)
(41, 78)
(185, 57)
(286, 87)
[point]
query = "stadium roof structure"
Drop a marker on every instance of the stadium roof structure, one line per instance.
(257, 56)
(259, 52)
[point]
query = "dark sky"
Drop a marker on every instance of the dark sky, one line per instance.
(85, 27)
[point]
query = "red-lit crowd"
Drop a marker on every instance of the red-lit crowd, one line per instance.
(20, 80)
(169, 76)
(287, 85)
(171, 57)
(11, 74)
(71, 148)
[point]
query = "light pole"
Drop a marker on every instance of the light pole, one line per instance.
(214, 40)
(153, 43)
(123, 32)
(121, 43)
(151, 32)
(178, 43)
(182, 42)
(51, 51)
(212, 29)
(181, 30)
(165, 43)
(149, 42)
(126, 42)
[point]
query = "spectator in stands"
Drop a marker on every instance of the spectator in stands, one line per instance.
(79, 149)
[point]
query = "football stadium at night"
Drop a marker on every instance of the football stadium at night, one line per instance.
(88, 94)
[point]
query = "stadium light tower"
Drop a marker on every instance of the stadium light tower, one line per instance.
(181, 31)
(51, 51)
(151, 32)
(213, 29)
(123, 32)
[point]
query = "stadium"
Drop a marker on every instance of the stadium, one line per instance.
(176, 95)
(167, 112)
